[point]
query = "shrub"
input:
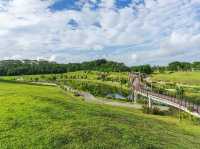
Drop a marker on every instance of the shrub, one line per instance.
(36, 79)
(146, 109)
(97, 89)
(155, 110)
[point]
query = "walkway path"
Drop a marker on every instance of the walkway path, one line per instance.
(90, 98)
(186, 106)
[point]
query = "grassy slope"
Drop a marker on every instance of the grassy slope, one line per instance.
(190, 78)
(80, 79)
(91, 75)
(190, 81)
(44, 117)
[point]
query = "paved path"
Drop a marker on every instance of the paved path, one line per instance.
(90, 98)
(44, 83)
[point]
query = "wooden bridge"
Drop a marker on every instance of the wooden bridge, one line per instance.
(139, 89)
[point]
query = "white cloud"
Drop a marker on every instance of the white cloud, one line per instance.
(108, 3)
(29, 29)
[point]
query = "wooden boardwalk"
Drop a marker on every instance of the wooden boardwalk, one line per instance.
(138, 87)
(184, 105)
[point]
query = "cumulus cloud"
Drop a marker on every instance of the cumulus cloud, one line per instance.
(140, 32)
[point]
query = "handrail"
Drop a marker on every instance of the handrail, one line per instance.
(182, 103)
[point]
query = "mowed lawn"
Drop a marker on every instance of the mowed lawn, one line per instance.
(190, 78)
(40, 117)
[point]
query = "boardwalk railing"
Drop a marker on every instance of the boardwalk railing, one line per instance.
(181, 104)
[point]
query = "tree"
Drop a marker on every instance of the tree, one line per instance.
(179, 66)
(142, 69)
(174, 66)
(102, 75)
(196, 65)
(31, 67)
(180, 92)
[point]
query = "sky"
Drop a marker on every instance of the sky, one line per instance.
(130, 31)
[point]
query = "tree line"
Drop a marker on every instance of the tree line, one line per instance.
(31, 67)
(178, 66)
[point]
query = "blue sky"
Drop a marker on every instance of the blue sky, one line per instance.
(130, 31)
(72, 4)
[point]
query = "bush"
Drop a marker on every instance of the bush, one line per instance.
(36, 79)
(95, 88)
(155, 110)
(141, 100)
(146, 109)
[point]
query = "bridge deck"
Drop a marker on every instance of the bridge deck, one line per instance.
(180, 104)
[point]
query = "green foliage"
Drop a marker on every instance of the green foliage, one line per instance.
(104, 65)
(96, 88)
(102, 76)
(196, 65)
(31, 67)
(146, 109)
(27, 67)
(179, 92)
(157, 111)
(183, 85)
(152, 110)
(36, 79)
(142, 69)
(33, 116)
(180, 66)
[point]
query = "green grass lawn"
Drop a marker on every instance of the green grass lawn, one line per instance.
(190, 81)
(89, 81)
(190, 78)
(89, 75)
(33, 116)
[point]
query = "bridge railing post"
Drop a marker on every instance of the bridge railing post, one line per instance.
(187, 104)
(193, 107)
(197, 109)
